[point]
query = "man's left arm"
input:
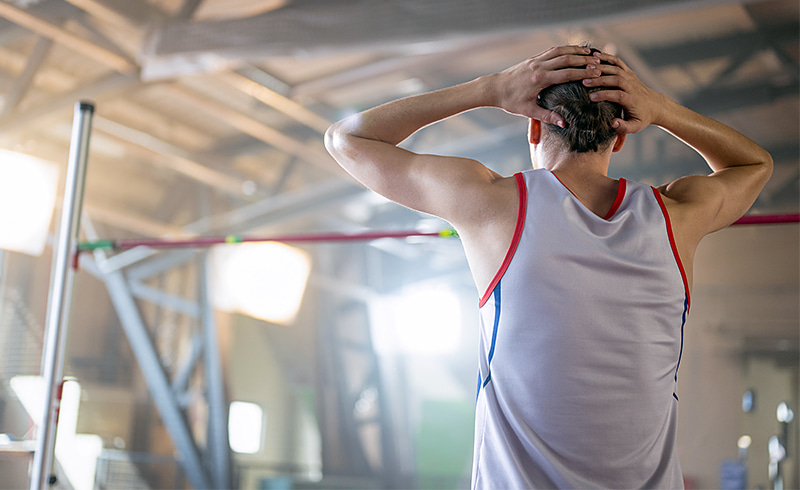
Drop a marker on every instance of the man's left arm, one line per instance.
(366, 144)
(740, 167)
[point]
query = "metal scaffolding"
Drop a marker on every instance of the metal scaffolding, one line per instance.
(167, 394)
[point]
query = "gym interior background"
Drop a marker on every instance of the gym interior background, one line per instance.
(354, 366)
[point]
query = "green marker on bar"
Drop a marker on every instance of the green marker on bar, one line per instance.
(96, 245)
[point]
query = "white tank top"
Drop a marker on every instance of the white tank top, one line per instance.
(580, 343)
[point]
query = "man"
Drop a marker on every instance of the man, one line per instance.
(585, 280)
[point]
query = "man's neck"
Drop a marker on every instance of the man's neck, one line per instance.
(586, 176)
(581, 166)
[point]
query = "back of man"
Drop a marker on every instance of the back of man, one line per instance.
(583, 304)
(578, 367)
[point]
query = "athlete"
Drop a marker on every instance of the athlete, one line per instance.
(584, 280)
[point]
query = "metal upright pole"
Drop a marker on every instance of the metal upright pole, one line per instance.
(218, 444)
(61, 292)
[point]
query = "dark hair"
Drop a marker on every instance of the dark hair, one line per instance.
(588, 124)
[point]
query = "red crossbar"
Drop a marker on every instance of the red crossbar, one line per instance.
(768, 219)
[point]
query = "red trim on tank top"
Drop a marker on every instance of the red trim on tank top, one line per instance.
(617, 200)
(672, 244)
(523, 207)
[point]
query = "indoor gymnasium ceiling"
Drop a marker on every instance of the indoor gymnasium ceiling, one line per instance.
(210, 114)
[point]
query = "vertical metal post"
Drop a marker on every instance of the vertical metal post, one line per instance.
(2, 280)
(218, 444)
(61, 292)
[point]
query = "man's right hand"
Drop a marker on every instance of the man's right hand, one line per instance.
(641, 103)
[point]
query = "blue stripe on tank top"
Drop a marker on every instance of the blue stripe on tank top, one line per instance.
(496, 293)
(496, 323)
(680, 355)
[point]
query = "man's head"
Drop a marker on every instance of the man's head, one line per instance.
(588, 124)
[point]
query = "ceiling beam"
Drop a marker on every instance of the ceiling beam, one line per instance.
(277, 101)
(724, 46)
(94, 90)
(103, 12)
(47, 78)
(376, 67)
(298, 28)
(53, 11)
(188, 8)
(25, 79)
(172, 157)
(720, 99)
(66, 38)
(311, 153)
(369, 70)
(99, 38)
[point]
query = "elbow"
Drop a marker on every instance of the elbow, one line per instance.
(766, 165)
(768, 161)
(339, 139)
(333, 139)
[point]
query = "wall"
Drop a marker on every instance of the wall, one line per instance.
(255, 375)
(744, 304)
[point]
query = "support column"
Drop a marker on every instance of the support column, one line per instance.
(163, 396)
(218, 444)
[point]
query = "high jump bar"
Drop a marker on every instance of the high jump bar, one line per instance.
(216, 240)
(764, 219)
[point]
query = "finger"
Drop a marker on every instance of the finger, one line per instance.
(569, 74)
(614, 60)
(618, 96)
(548, 117)
(626, 127)
(606, 81)
(563, 50)
(610, 76)
(569, 61)
(611, 69)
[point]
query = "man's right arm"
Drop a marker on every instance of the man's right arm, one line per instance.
(741, 168)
